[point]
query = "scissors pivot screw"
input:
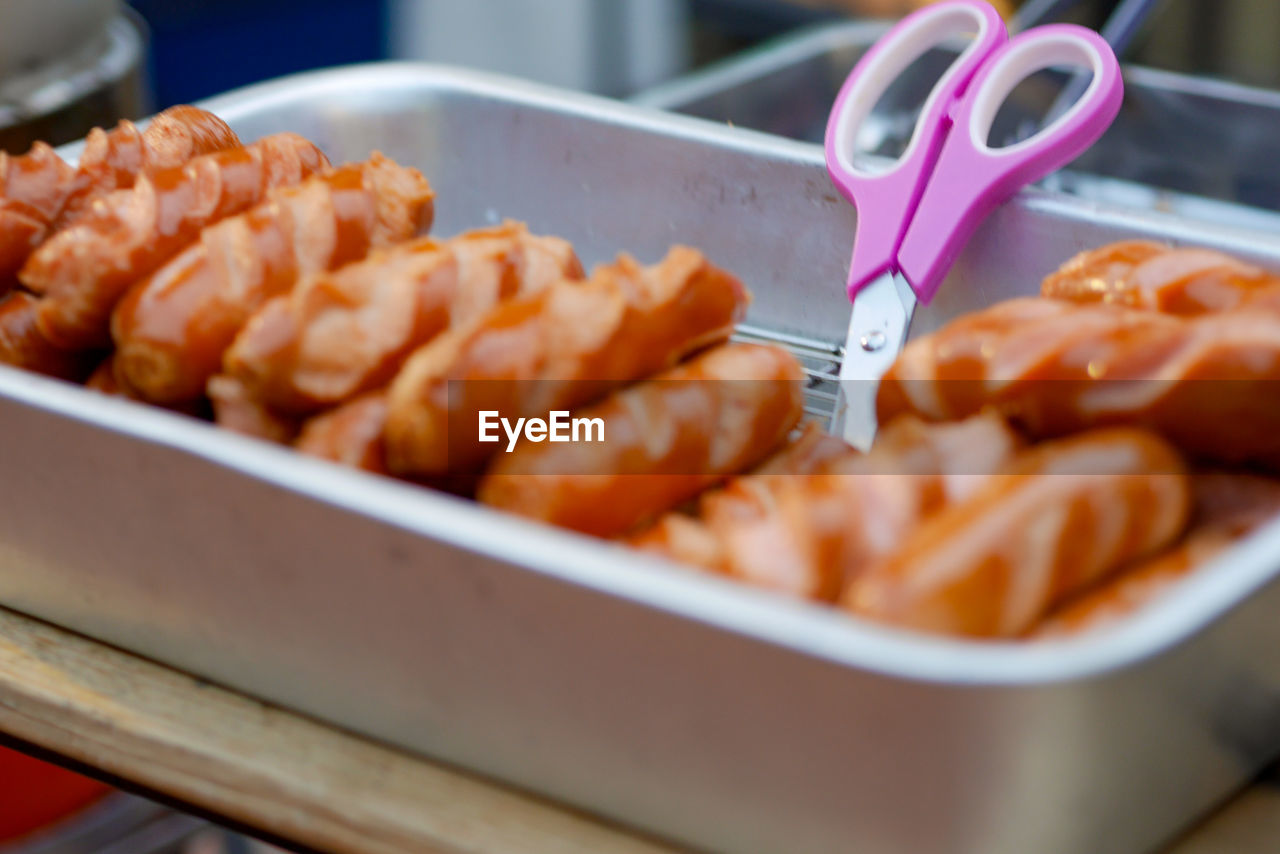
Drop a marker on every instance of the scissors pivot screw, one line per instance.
(873, 341)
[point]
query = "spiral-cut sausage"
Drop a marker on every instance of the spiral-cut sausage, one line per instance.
(350, 435)
(172, 329)
(808, 536)
(113, 160)
(1137, 587)
(40, 194)
(23, 346)
(1062, 517)
(661, 442)
(83, 270)
(687, 539)
(811, 450)
(239, 411)
(103, 379)
(341, 334)
(1208, 383)
(33, 187)
(558, 350)
(823, 531)
(1228, 507)
(1147, 275)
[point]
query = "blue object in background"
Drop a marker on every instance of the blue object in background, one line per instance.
(203, 47)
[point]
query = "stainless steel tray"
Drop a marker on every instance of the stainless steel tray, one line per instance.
(699, 710)
(1199, 147)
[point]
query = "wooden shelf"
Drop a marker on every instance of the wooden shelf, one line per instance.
(318, 787)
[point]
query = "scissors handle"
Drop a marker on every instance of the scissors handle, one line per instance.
(886, 199)
(970, 178)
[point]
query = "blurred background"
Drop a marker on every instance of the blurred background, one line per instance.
(69, 64)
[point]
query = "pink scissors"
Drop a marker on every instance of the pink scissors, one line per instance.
(914, 218)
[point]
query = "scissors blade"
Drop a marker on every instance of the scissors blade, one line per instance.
(882, 314)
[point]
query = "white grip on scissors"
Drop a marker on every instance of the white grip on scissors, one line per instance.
(1017, 63)
(887, 61)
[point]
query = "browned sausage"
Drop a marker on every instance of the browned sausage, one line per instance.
(1207, 383)
(681, 539)
(664, 441)
(172, 328)
(806, 536)
(1234, 498)
(103, 379)
(810, 451)
(350, 435)
(1150, 276)
(33, 188)
(39, 193)
(1062, 517)
(339, 335)
(237, 410)
(83, 270)
(1137, 587)
(1228, 507)
(809, 536)
(687, 539)
(557, 350)
(23, 346)
(113, 160)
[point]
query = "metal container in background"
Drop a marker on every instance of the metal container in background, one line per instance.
(67, 66)
(1182, 144)
(700, 710)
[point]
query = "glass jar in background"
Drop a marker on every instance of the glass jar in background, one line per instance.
(67, 66)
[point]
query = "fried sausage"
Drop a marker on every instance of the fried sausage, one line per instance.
(1150, 276)
(664, 441)
(339, 335)
(558, 350)
(33, 188)
(172, 329)
(810, 536)
(682, 538)
(83, 270)
(23, 346)
(809, 452)
(1207, 383)
(1228, 507)
(806, 536)
(1137, 587)
(103, 379)
(350, 435)
(1063, 516)
(237, 410)
(40, 194)
(113, 160)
